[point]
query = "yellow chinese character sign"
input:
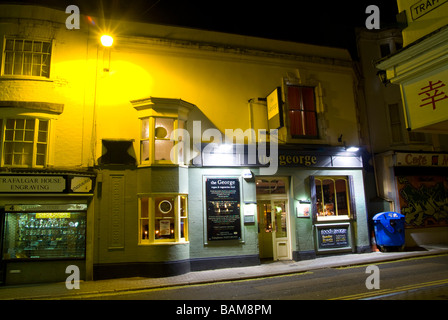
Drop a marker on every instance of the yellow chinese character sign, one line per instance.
(432, 94)
(426, 102)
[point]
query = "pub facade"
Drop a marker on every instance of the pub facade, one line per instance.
(174, 150)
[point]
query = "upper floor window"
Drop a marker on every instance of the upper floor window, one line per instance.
(157, 140)
(302, 112)
(24, 142)
(27, 58)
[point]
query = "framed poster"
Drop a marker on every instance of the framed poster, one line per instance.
(222, 201)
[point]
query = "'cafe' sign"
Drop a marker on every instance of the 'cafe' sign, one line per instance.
(422, 159)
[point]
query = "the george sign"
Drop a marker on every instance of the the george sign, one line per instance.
(275, 113)
(333, 237)
(223, 209)
(32, 184)
(426, 102)
(421, 159)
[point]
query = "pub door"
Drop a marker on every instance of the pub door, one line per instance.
(273, 229)
(2, 264)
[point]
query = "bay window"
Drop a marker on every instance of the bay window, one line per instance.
(163, 218)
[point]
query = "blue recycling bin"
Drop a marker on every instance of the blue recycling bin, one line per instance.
(389, 230)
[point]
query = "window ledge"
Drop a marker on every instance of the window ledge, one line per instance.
(163, 243)
(333, 218)
(29, 78)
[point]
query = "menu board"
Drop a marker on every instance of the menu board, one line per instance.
(335, 237)
(223, 209)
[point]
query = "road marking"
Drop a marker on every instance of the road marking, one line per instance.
(174, 287)
(376, 294)
(390, 261)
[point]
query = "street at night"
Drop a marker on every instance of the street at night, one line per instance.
(421, 278)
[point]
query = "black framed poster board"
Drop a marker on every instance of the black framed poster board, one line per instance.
(223, 208)
(333, 237)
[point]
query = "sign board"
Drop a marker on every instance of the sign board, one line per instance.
(275, 111)
(333, 237)
(426, 101)
(423, 7)
(223, 209)
(32, 184)
(421, 159)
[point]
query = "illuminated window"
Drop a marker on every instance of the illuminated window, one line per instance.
(163, 218)
(332, 198)
(24, 142)
(27, 58)
(302, 112)
(163, 150)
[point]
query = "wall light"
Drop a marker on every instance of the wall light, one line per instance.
(352, 149)
(107, 40)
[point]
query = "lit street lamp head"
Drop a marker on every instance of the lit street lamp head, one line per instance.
(107, 40)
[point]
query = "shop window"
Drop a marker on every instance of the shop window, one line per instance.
(156, 135)
(27, 58)
(332, 197)
(163, 218)
(44, 235)
(302, 112)
(24, 142)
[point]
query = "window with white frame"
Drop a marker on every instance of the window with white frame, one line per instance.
(24, 57)
(163, 218)
(158, 144)
(24, 142)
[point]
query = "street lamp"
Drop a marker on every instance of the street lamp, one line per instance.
(107, 40)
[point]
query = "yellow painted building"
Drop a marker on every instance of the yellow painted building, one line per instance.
(88, 135)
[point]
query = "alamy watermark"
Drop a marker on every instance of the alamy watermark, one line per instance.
(234, 139)
(373, 281)
(72, 281)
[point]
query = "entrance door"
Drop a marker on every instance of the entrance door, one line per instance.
(280, 236)
(273, 226)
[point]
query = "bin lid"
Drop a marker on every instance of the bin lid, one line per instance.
(388, 216)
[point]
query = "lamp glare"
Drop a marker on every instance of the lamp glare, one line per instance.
(107, 40)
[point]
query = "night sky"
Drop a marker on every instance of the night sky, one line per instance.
(330, 23)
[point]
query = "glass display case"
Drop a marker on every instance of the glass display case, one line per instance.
(44, 235)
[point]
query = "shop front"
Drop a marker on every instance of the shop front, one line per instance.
(44, 224)
(313, 204)
(417, 186)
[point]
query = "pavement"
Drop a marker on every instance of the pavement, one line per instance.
(50, 291)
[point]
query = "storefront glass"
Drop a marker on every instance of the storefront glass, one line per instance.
(44, 235)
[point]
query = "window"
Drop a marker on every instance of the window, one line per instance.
(395, 123)
(44, 235)
(24, 142)
(163, 218)
(163, 143)
(332, 198)
(27, 58)
(302, 112)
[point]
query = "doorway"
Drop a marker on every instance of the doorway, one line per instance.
(273, 219)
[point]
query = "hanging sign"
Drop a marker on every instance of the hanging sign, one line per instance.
(223, 209)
